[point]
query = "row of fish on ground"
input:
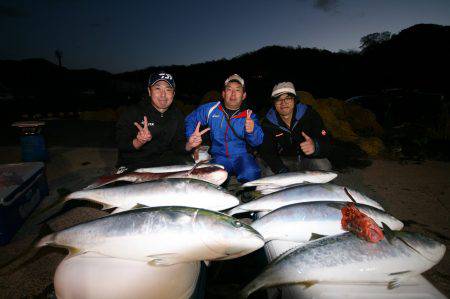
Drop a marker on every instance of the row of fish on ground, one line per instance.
(172, 216)
(364, 255)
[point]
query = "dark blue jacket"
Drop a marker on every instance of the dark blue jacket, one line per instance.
(281, 140)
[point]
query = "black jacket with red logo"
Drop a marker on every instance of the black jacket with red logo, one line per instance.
(168, 138)
(280, 140)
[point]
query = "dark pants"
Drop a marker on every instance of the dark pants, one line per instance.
(295, 164)
(164, 159)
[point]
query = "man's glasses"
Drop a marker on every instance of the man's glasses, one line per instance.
(286, 100)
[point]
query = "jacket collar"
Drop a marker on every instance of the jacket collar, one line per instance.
(147, 106)
(241, 114)
(273, 116)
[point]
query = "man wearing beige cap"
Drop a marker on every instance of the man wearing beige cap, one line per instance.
(232, 130)
(293, 132)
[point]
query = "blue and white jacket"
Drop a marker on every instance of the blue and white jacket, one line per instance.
(223, 140)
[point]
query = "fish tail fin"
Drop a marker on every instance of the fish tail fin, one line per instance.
(105, 180)
(349, 195)
(388, 233)
(248, 290)
(56, 206)
(45, 237)
(236, 210)
(197, 164)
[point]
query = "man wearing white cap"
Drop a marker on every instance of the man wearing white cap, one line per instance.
(232, 129)
(293, 131)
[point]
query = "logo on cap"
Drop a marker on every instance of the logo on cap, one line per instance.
(161, 76)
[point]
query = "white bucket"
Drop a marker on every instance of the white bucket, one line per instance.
(94, 276)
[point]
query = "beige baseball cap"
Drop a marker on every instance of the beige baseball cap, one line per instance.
(236, 78)
(283, 87)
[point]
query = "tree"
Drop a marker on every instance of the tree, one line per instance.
(369, 40)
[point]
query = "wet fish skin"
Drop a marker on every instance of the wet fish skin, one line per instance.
(166, 192)
(175, 168)
(293, 178)
(345, 258)
(297, 194)
(211, 174)
(298, 222)
(160, 236)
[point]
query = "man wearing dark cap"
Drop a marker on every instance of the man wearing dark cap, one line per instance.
(233, 129)
(294, 134)
(151, 133)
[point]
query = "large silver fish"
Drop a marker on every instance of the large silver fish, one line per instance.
(174, 168)
(160, 236)
(292, 178)
(167, 192)
(300, 222)
(212, 174)
(297, 194)
(345, 258)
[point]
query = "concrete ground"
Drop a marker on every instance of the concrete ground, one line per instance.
(418, 194)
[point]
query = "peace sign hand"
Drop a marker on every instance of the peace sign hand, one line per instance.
(144, 135)
(249, 123)
(196, 137)
(307, 146)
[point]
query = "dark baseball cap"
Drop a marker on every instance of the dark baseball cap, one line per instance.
(161, 76)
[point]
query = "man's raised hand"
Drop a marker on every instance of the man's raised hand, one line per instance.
(143, 136)
(196, 138)
(307, 146)
(249, 123)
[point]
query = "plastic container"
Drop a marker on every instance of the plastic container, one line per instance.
(31, 141)
(96, 277)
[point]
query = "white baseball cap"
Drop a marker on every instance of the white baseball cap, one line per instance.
(282, 88)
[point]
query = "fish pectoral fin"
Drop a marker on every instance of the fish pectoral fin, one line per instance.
(337, 205)
(73, 251)
(399, 273)
(118, 210)
(315, 236)
(400, 276)
(107, 206)
(388, 233)
(308, 283)
(395, 283)
(161, 260)
(139, 206)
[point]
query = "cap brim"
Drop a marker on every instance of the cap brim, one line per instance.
(284, 92)
(168, 82)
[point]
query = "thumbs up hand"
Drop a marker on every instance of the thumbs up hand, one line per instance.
(249, 123)
(307, 146)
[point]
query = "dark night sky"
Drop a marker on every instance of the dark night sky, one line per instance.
(126, 35)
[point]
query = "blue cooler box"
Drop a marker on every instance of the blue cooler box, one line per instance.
(22, 187)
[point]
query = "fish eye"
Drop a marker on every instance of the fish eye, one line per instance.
(237, 223)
